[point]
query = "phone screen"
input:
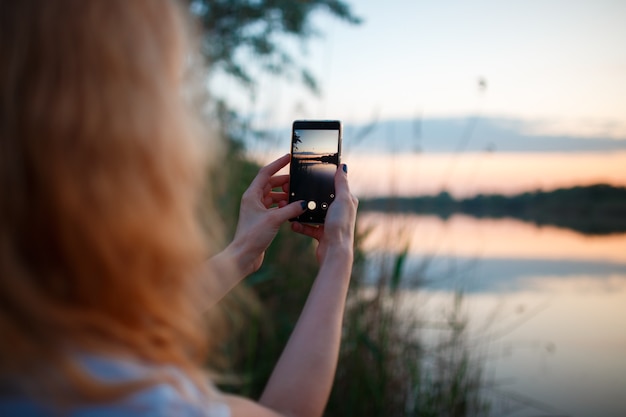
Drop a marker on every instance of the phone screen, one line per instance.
(315, 155)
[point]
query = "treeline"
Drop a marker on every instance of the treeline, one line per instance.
(594, 209)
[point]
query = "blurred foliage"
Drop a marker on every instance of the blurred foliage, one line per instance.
(240, 34)
(386, 368)
(380, 370)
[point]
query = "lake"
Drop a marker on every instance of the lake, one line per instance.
(546, 306)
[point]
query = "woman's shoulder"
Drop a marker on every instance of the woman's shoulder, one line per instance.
(177, 395)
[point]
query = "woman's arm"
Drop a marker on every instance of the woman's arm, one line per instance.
(263, 210)
(302, 379)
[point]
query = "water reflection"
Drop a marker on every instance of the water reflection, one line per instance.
(466, 236)
(312, 180)
(546, 306)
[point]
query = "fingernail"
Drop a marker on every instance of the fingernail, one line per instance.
(345, 168)
(303, 204)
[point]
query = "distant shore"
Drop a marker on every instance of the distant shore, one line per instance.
(595, 209)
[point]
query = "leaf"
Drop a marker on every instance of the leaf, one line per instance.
(398, 266)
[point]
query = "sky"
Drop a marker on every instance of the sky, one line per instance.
(553, 72)
(318, 141)
(560, 61)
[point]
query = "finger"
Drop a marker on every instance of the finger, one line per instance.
(308, 230)
(282, 214)
(264, 175)
(269, 189)
(273, 167)
(274, 198)
(279, 181)
(341, 180)
(278, 195)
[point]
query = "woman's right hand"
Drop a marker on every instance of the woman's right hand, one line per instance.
(337, 233)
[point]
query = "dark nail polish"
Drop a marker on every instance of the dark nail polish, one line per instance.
(303, 204)
(345, 168)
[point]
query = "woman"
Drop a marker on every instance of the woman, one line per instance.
(100, 286)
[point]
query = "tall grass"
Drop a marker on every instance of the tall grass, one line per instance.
(388, 367)
(385, 367)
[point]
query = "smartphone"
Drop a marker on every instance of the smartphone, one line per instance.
(315, 156)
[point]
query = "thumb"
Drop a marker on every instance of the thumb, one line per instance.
(341, 180)
(290, 211)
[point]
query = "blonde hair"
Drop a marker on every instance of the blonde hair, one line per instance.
(99, 176)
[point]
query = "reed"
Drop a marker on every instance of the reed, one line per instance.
(385, 367)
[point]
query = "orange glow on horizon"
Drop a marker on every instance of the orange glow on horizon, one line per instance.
(474, 173)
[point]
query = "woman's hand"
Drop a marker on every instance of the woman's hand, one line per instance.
(302, 379)
(262, 212)
(337, 233)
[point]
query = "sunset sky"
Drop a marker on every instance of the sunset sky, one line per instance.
(318, 141)
(523, 82)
